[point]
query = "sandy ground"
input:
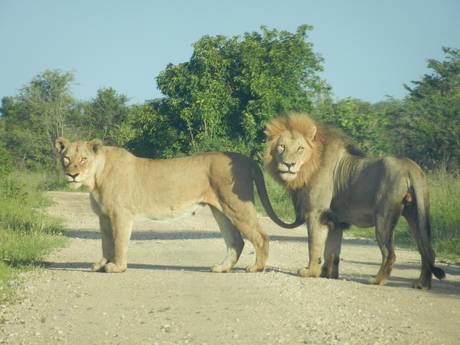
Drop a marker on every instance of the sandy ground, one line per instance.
(168, 295)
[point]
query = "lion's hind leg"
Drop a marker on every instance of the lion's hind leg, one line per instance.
(260, 241)
(332, 250)
(424, 281)
(233, 239)
(244, 222)
(384, 230)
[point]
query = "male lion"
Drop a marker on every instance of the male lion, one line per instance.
(124, 188)
(333, 185)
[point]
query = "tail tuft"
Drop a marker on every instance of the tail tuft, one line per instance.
(438, 272)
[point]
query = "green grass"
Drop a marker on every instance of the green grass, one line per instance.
(280, 200)
(27, 233)
(445, 215)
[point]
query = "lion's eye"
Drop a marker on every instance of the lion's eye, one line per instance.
(281, 148)
(300, 149)
(66, 160)
(83, 160)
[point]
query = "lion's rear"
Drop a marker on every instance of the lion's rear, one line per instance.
(417, 213)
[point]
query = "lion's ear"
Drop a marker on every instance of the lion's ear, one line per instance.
(268, 132)
(61, 144)
(313, 130)
(95, 145)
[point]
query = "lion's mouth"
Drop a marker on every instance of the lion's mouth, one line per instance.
(288, 175)
(73, 184)
(72, 180)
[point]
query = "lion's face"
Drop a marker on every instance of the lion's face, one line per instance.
(78, 160)
(291, 153)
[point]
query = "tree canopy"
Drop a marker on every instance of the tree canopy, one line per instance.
(427, 122)
(36, 117)
(45, 110)
(222, 98)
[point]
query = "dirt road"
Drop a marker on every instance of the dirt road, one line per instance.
(168, 295)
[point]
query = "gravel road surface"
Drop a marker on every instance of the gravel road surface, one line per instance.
(168, 295)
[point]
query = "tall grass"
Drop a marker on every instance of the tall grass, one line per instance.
(445, 215)
(27, 233)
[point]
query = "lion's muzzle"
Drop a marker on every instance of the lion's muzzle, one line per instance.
(72, 180)
(288, 171)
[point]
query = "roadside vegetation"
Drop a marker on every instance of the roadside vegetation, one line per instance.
(221, 100)
(27, 233)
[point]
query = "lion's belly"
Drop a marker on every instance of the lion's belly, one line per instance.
(171, 214)
(362, 217)
(363, 222)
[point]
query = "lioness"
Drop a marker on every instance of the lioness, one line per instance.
(333, 185)
(124, 188)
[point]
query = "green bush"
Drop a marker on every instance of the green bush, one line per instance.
(27, 233)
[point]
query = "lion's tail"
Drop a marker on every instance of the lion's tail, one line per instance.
(259, 180)
(423, 223)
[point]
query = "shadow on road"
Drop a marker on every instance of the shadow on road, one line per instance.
(195, 235)
(444, 287)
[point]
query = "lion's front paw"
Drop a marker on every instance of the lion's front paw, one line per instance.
(99, 266)
(113, 268)
(377, 281)
(307, 273)
(254, 268)
(220, 269)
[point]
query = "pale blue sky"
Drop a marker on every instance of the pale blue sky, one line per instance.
(371, 48)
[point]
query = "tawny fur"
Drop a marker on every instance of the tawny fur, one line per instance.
(124, 188)
(333, 185)
(303, 125)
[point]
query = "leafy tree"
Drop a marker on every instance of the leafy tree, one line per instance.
(360, 120)
(428, 121)
(107, 117)
(222, 98)
(36, 117)
(157, 134)
(6, 160)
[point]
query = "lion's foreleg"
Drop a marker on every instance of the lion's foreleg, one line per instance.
(317, 234)
(107, 244)
(332, 253)
(121, 226)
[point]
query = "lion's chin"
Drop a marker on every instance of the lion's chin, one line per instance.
(74, 184)
(288, 176)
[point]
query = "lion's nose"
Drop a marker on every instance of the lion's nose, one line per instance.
(73, 176)
(289, 165)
